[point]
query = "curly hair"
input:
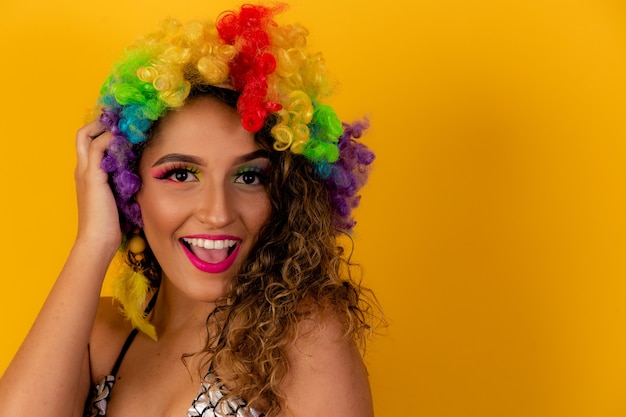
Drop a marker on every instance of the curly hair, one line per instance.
(296, 271)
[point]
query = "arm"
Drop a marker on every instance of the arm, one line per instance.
(51, 369)
(326, 376)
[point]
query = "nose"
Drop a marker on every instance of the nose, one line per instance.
(215, 207)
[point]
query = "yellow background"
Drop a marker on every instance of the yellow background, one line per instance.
(494, 226)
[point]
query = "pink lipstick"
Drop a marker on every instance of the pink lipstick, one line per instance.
(211, 254)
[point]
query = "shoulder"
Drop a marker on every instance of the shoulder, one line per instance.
(108, 334)
(325, 364)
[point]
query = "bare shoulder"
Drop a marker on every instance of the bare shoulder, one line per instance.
(108, 334)
(326, 374)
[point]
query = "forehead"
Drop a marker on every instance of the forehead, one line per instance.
(203, 123)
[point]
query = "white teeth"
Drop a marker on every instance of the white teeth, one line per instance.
(211, 244)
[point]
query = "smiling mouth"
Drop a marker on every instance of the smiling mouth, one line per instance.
(212, 251)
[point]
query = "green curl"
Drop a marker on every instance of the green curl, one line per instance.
(328, 123)
(319, 151)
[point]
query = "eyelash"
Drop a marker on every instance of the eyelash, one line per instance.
(167, 172)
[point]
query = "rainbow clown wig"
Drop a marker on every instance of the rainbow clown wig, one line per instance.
(275, 75)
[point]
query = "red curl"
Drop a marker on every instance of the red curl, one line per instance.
(247, 31)
(253, 121)
(267, 63)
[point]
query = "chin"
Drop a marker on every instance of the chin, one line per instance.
(200, 287)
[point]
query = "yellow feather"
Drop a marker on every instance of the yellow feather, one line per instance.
(131, 289)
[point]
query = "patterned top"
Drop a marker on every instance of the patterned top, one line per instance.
(209, 402)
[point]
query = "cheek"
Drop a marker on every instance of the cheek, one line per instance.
(157, 211)
(263, 211)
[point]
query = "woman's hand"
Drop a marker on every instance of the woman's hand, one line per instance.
(98, 220)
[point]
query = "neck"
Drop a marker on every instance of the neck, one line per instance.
(177, 315)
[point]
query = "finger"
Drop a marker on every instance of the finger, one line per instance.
(84, 137)
(91, 130)
(97, 149)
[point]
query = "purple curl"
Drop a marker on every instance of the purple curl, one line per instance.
(119, 158)
(349, 174)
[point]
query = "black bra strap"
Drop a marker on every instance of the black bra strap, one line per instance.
(127, 344)
(131, 337)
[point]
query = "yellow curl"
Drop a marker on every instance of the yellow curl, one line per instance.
(147, 74)
(213, 70)
(176, 97)
(283, 137)
(300, 106)
(193, 32)
(301, 137)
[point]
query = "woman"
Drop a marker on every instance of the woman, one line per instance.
(225, 182)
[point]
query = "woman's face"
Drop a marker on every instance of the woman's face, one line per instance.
(203, 197)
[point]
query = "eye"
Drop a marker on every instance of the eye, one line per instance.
(179, 174)
(248, 178)
(251, 176)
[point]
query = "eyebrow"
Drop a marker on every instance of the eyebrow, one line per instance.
(260, 153)
(190, 159)
(178, 157)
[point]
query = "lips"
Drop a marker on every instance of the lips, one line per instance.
(211, 254)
